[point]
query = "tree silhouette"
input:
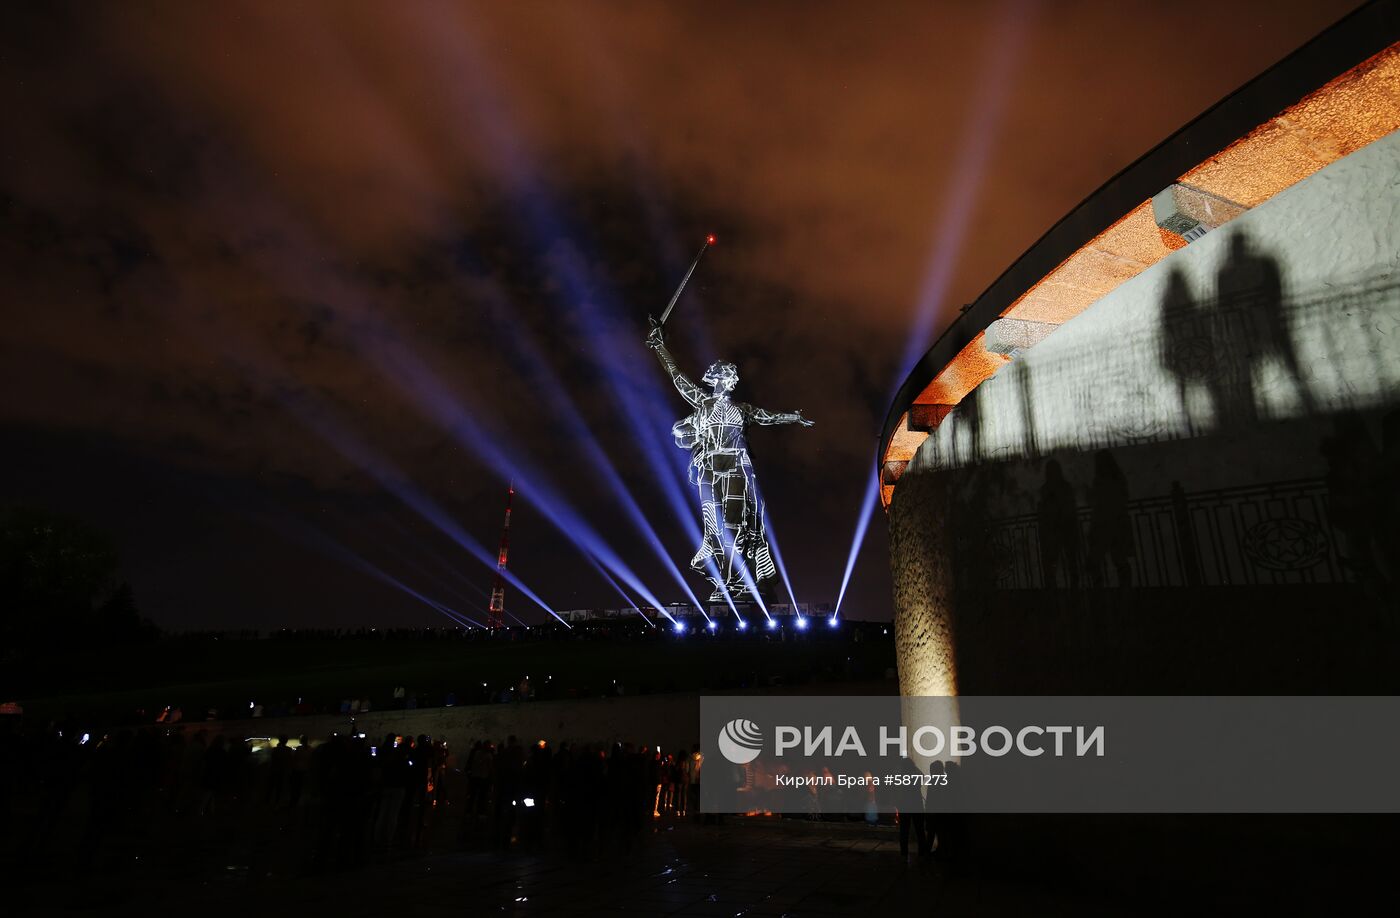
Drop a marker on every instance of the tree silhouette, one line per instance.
(58, 583)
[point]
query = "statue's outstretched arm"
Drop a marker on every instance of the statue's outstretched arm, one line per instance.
(766, 417)
(688, 390)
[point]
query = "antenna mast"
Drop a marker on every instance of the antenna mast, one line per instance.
(496, 612)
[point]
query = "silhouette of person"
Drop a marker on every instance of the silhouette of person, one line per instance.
(952, 836)
(1186, 348)
(1110, 526)
(1353, 471)
(935, 826)
(1388, 498)
(909, 800)
(1249, 289)
(1185, 536)
(1059, 528)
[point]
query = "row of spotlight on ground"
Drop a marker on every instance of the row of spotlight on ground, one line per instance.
(800, 623)
(713, 625)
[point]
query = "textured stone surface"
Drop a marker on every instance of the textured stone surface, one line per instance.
(924, 418)
(906, 440)
(966, 372)
(920, 567)
(1116, 255)
(1181, 209)
(1340, 118)
(1010, 336)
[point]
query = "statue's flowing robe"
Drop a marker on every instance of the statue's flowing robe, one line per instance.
(735, 539)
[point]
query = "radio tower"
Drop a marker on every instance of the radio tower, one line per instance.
(496, 612)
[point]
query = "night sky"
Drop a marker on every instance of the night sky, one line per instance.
(270, 267)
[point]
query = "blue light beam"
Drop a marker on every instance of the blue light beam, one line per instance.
(392, 480)
(867, 507)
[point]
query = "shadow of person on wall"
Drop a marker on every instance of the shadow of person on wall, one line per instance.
(1388, 501)
(979, 556)
(1226, 344)
(1355, 489)
(1186, 347)
(1184, 533)
(1250, 283)
(1110, 523)
(1060, 550)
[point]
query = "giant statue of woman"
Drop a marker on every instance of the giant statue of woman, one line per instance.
(735, 539)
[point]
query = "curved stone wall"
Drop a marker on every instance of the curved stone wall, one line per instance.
(1212, 447)
(922, 578)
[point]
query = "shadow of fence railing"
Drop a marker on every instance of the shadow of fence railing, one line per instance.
(1273, 534)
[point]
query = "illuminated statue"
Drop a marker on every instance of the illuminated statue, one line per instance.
(735, 538)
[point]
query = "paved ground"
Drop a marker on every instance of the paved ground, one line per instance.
(751, 870)
(254, 861)
(746, 867)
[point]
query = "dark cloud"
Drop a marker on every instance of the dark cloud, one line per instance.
(218, 215)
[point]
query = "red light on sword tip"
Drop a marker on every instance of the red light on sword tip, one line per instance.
(710, 239)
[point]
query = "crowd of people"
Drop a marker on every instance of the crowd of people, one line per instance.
(72, 797)
(68, 796)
